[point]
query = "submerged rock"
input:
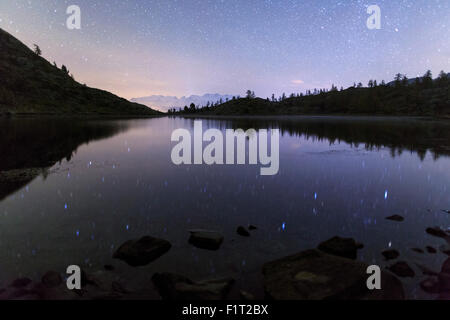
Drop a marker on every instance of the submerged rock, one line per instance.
(118, 288)
(244, 295)
(176, 287)
(341, 247)
(143, 251)
(242, 231)
(445, 249)
(89, 280)
(396, 217)
(402, 269)
(205, 239)
(430, 285)
(21, 282)
(446, 266)
(390, 254)
(431, 249)
(444, 278)
(22, 289)
(315, 275)
(444, 282)
(108, 267)
(426, 271)
(437, 232)
(51, 279)
(418, 250)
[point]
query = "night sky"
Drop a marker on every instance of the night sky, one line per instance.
(139, 47)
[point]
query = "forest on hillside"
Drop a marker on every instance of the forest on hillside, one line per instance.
(421, 96)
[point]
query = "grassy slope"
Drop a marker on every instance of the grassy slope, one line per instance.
(30, 84)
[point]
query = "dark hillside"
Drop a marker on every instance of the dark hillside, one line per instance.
(30, 84)
(421, 97)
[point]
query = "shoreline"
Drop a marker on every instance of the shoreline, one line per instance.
(317, 117)
(363, 117)
(334, 261)
(76, 116)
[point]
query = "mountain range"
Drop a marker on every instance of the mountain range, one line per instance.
(164, 103)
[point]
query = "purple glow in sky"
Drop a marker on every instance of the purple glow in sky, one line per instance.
(138, 47)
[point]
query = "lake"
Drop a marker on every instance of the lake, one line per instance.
(72, 191)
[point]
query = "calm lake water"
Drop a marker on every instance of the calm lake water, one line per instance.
(91, 185)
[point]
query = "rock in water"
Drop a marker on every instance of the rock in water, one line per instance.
(445, 249)
(390, 254)
(176, 287)
(426, 271)
(244, 295)
(51, 279)
(437, 232)
(444, 282)
(430, 285)
(118, 287)
(242, 231)
(402, 269)
(252, 227)
(418, 250)
(444, 279)
(21, 282)
(315, 275)
(108, 267)
(431, 249)
(143, 251)
(204, 239)
(341, 247)
(446, 266)
(396, 217)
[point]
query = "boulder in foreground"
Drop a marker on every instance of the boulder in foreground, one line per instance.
(315, 275)
(176, 287)
(242, 231)
(51, 279)
(143, 251)
(402, 269)
(205, 239)
(341, 247)
(390, 254)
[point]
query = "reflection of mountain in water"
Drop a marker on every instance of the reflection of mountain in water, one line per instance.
(399, 135)
(28, 147)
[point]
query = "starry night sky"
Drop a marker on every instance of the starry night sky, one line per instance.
(140, 47)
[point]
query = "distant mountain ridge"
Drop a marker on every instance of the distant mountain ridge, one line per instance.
(29, 84)
(164, 103)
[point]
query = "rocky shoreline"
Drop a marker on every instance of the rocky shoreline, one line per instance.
(329, 272)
